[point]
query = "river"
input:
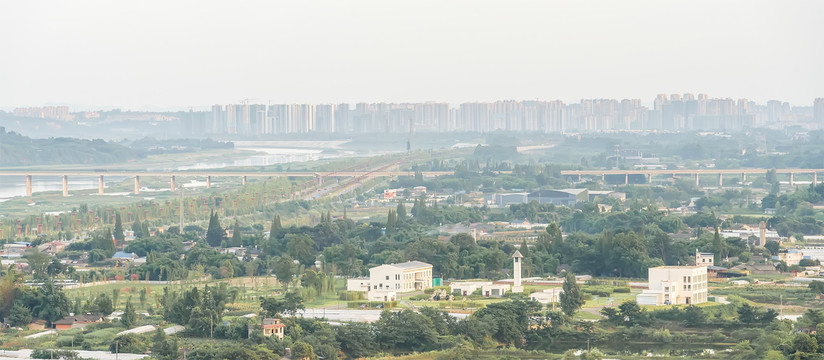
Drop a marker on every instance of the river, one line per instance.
(266, 153)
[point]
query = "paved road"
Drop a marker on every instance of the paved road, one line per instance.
(99, 355)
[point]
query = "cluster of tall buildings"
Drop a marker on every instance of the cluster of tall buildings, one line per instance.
(669, 112)
(674, 112)
(45, 112)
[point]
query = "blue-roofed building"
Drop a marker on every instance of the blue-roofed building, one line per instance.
(122, 255)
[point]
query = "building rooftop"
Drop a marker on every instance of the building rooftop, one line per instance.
(679, 267)
(411, 264)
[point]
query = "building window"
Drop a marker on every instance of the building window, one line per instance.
(387, 277)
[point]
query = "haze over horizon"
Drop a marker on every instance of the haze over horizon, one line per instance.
(194, 53)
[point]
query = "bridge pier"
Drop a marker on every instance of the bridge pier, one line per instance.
(136, 184)
(626, 179)
(743, 178)
(603, 179)
(243, 180)
(28, 185)
(720, 180)
(791, 179)
(65, 185)
(172, 183)
(815, 178)
(696, 180)
(208, 181)
(649, 178)
(100, 184)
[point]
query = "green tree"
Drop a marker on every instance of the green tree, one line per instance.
(52, 303)
(227, 270)
(771, 176)
(694, 316)
(302, 350)
(273, 307)
(104, 304)
(804, 343)
(301, 247)
(201, 322)
(284, 270)
(115, 298)
(237, 239)
(276, 226)
(462, 241)
(128, 343)
(391, 220)
(817, 287)
(162, 348)
(38, 262)
(215, 235)
(129, 316)
(717, 247)
(772, 246)
(632, 313)
(143, 293)
(357, 339)
(118, 229)
(19, 315)
(401, 211)
(572, 298)
(137, 227)
(405, 330)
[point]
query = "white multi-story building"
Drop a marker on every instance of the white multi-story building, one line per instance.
(402, 277)
(791, 256)
(675, 285)
(704, 259)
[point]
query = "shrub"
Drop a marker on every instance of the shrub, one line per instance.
(372, 304)
(351, 295)
(129, 343)
(55, 354)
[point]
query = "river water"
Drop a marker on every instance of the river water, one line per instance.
(267, 153)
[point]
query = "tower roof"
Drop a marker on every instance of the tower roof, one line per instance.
(517, 254)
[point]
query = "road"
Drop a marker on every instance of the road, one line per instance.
(218, 173)
(99, 355)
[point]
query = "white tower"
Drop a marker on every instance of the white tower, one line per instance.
(516, 270)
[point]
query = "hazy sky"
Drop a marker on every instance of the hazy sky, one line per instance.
(195, 53)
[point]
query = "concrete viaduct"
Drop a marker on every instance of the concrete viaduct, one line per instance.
(318, 176)
(695, 173)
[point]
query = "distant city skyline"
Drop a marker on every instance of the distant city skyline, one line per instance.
(673, 112)
(197, 53)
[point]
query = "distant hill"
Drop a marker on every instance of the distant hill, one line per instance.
(16, 149)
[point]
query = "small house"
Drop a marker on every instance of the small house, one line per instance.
(122, 255)
(77, 321)
(272, 326)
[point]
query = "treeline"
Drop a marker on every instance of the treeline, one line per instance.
(149, 145)
(795, 212)
(620, 243)
(16, 149)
